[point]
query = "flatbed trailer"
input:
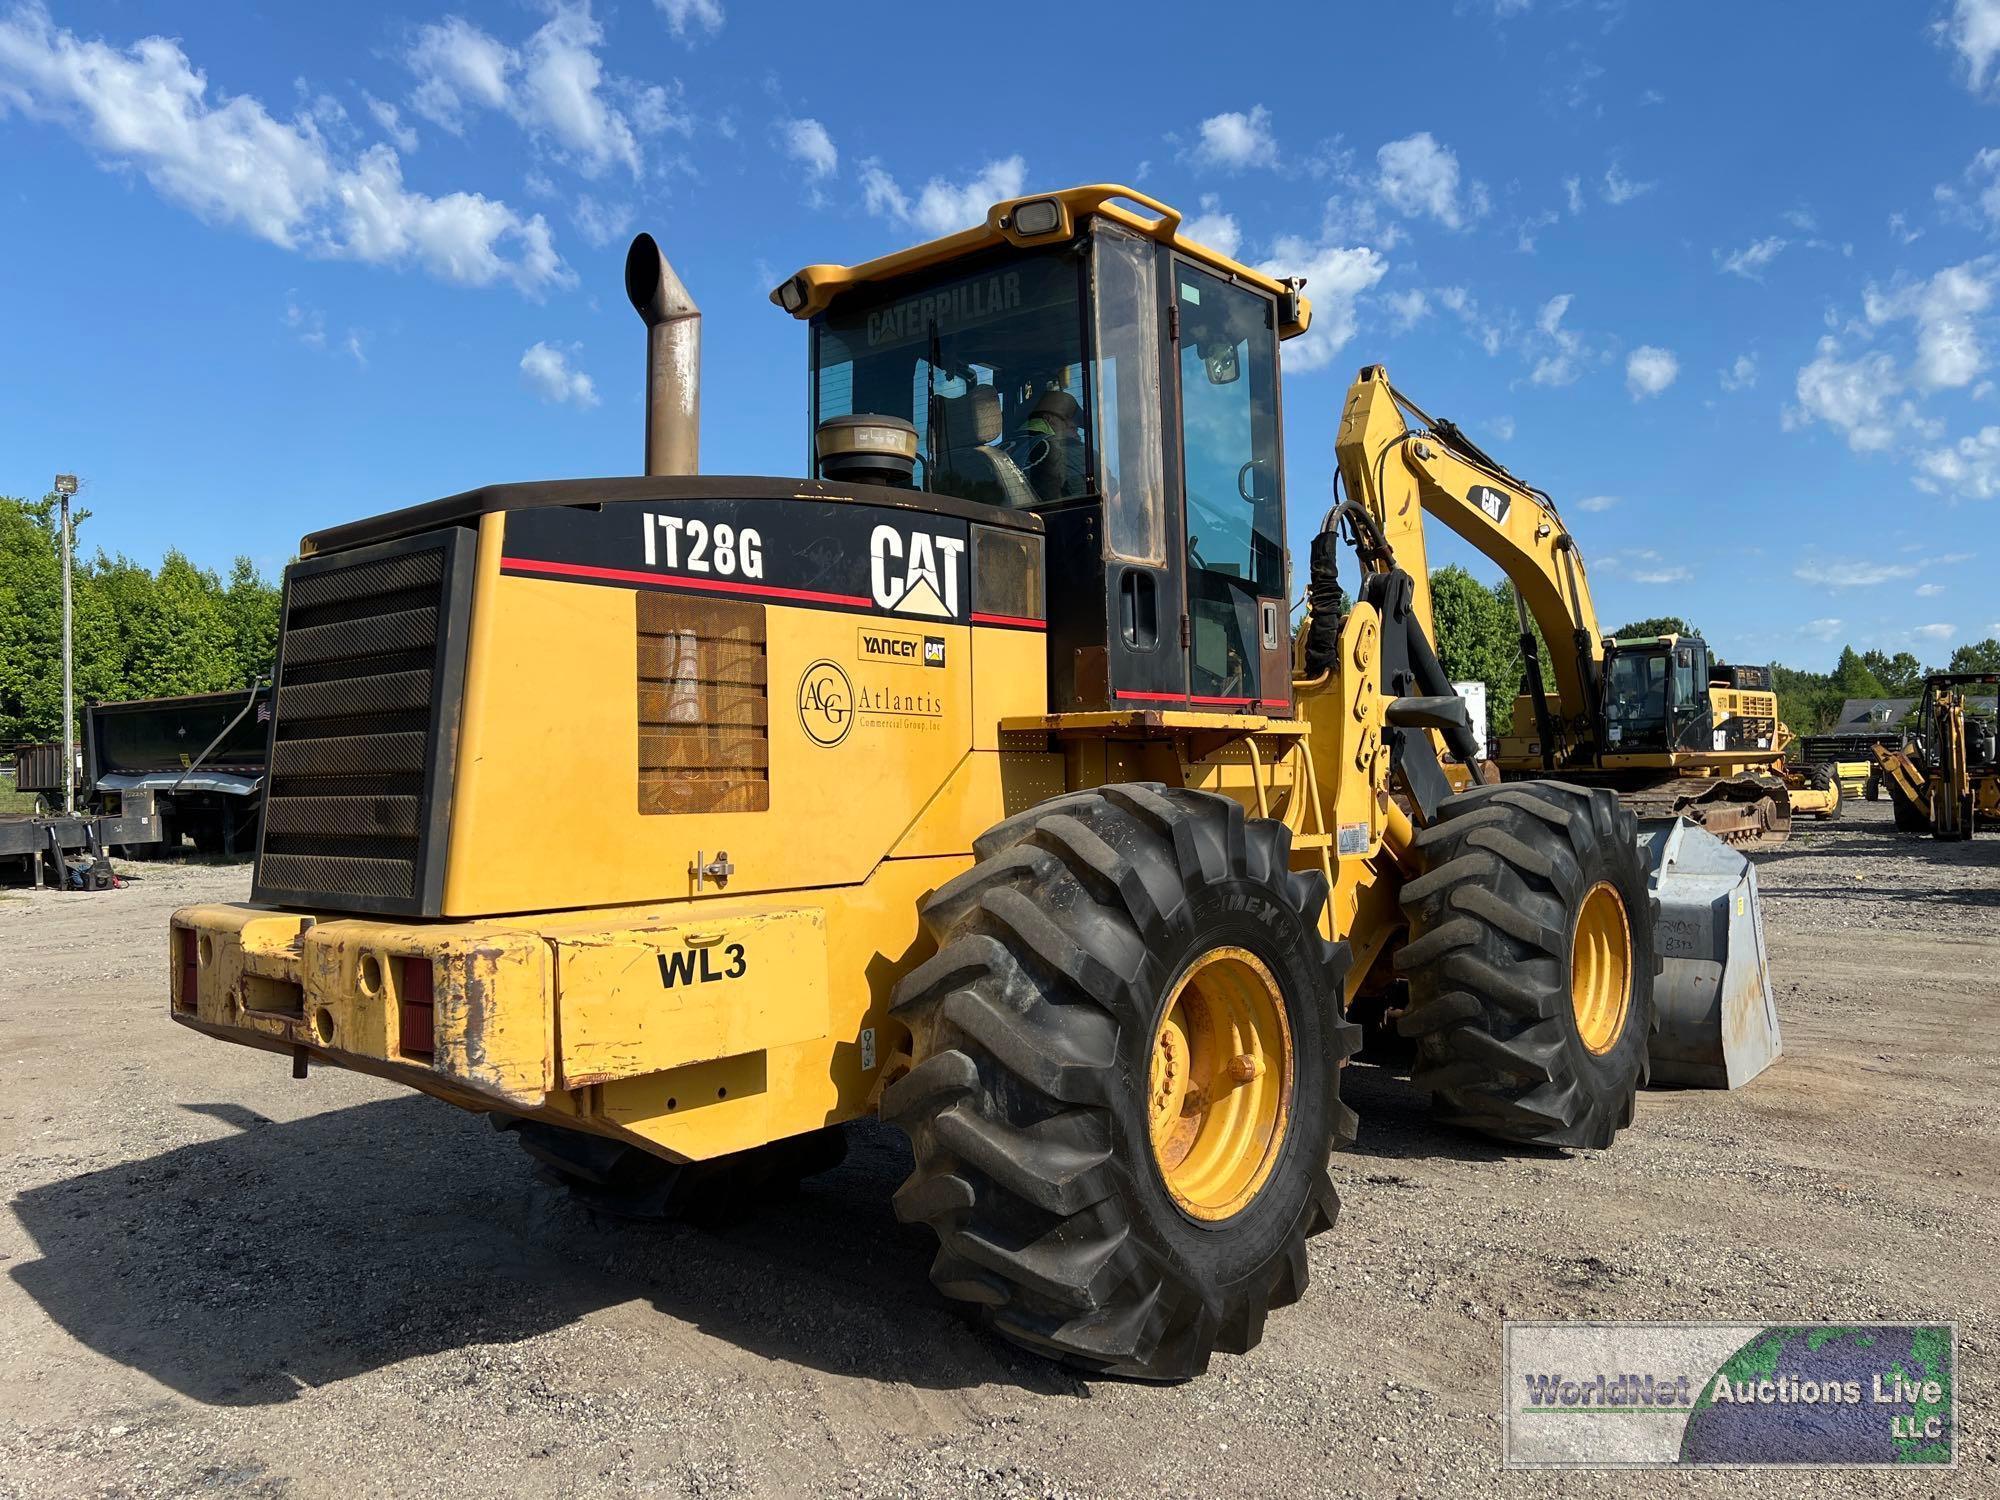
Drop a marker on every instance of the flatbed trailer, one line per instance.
(45, 842)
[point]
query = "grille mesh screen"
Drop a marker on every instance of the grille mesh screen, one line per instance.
(704, 708)
(353, 751)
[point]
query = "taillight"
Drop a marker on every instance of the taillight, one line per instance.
(187, 954)
(416, 1032)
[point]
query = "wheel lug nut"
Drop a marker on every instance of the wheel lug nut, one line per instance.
(1243, 1067)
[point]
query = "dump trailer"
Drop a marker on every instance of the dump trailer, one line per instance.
(195, 761)
(974, 781)
(1944, 778)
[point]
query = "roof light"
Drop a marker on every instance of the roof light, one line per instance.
(1040, 216)
(792, 295)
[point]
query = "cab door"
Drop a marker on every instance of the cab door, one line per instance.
(1232, 510)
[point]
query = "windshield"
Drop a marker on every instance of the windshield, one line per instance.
(1636, 696)
(987, 365)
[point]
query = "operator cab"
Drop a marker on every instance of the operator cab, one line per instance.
(1656, 695)
(1075, 358)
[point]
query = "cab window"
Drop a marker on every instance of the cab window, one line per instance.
(987, 365)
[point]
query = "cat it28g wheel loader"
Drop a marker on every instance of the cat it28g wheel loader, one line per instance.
(975, 782)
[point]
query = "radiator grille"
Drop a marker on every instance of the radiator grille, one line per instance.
(370, 666)
(704, 708)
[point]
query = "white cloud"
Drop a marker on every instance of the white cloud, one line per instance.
(1416, 176)
(546, 371)
(1650, 370)
(1661, 575)
(1851, 395)
(1502, 428)
(553, 86)
(943, 207)
(1750, 261)
(1835, 574)
(402, 137)
(1969, 468)
(232, 163)
(1823, 629)
(1407, 309)
(457, 65)
(1466, 308)
(601, 223)
(1232, 141)
(1573, 191)
(687, 17)
(1929, 590)
(806, 142)
(1801, 219)
(1214, 228)
(1335, 277)
(1945, 310)
(1560, 363)
(1974, 29)
(1741, 374)
(1899, 226)
(1936, 632)
(1618, 188)
(1597, 503)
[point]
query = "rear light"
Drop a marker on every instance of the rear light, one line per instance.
(187, 956)
(416, 1030)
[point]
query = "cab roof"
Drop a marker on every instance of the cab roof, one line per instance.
(813, 289)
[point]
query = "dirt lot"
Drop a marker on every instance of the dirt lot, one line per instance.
(219, 1281)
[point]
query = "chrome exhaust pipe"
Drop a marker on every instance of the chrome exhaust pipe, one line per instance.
(673, 359)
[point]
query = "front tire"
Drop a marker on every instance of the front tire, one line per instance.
(1067, 1104)
(1825, 777)
(1531, 963)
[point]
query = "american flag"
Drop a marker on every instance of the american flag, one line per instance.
(264, 712)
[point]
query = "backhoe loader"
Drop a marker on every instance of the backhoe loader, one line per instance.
(1655, 719)
(1944, 778)
(975, 781)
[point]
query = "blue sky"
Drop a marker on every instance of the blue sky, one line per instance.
(1727, 292)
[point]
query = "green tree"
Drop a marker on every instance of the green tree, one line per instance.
(1979, 656)
(1657, 625)
(1852, 679)
(251, 607)
(1808, 703)
(1478, 639)
(1901, 675)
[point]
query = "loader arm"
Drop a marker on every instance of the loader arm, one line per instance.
(1400, 473)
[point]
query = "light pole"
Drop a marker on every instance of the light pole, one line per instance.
(66, 487)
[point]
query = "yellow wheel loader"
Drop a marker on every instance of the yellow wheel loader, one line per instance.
(976, 781)
(1944, 778)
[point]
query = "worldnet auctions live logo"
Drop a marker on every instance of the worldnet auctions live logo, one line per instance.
(1731, 1395)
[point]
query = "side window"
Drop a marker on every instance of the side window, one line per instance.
(1229, 430)
(1131, 451)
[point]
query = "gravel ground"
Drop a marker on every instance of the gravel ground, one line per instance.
(219, 1281)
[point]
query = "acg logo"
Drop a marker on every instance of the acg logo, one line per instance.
(826, 703)
(917, 576)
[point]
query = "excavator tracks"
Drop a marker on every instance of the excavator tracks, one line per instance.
(1747, 812)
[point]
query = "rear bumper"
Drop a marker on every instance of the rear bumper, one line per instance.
(661, 1027)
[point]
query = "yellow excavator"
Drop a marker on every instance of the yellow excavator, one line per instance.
(974, 780)
(1657, 720)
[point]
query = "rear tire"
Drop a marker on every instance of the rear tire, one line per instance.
(1872, 791)
(1034, 1104)
(1522, 1033)
(1825, 777)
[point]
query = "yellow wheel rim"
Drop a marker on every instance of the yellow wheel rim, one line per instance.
(1220, 1093)
(1600, 968)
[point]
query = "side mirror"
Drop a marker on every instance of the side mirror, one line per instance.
(1221, 364)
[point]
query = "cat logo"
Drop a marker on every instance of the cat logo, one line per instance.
(917, 575)
(933, 650)
(1494, 502)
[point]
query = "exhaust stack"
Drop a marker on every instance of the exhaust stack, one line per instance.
(673, 359)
